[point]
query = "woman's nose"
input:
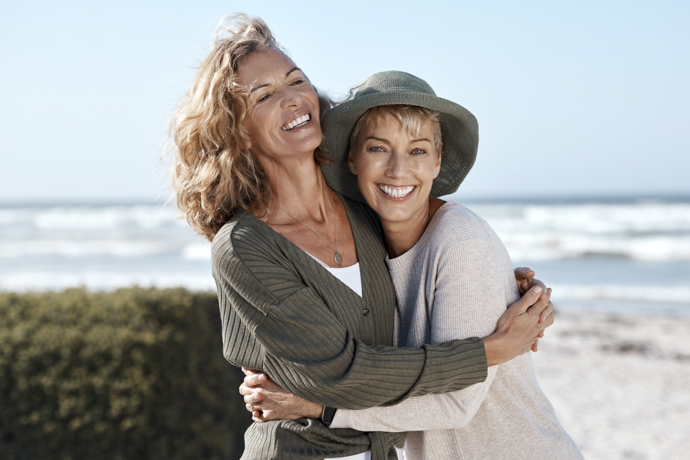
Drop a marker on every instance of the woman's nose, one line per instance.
(291, 97)
(397, 165)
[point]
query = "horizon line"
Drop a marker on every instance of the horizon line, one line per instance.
(471, 198)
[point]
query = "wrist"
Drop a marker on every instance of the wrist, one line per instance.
(327, 415)
(316, 411)
(493, 347)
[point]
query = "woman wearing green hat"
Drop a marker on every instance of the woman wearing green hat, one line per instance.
(452, 275)
(247, 176)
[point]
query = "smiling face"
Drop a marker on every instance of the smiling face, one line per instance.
(395, 170)
(282, 107)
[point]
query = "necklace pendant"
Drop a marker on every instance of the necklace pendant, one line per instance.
(338, 258)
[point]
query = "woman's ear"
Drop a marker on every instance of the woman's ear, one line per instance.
(351, 164)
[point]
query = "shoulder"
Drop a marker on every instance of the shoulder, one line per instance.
(222, 245)
(224, 236)
(455, 223)
(246, 258)
(243, 239)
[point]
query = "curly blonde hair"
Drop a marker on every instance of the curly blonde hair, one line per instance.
(214, 173)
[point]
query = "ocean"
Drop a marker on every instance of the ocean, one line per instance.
(625, 255)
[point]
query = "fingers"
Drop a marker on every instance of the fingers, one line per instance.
(527, 300)
(546, 312)
(523, 273)
(254, 398)
(535, 346)
(250, 371)
(245, 390)
(253, 380)
(252, 408)
(258, 417)
(541, 304)
(536, 282)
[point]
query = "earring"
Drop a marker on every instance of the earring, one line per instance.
(353, 170)
(434, 174)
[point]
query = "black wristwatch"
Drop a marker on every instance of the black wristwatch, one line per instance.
(327, 415)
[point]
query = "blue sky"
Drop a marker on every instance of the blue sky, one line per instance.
(572, 98)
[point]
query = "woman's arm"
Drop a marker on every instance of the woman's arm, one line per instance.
(308, 351)
(470, 295)
(268, 401)
(305, 348)
(471, 292)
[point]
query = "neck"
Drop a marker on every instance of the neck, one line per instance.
(298, 186)
(400, 237)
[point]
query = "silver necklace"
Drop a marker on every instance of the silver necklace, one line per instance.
(338, 258)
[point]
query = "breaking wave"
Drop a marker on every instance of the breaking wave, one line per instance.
(655, 232)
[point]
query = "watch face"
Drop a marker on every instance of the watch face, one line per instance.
(328, 414)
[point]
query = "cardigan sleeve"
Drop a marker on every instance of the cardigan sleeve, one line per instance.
(307, 350)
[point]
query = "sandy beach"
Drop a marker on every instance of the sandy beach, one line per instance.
(620, 384)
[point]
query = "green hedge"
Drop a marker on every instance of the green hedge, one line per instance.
(130, 374)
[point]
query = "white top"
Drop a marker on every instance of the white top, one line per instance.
(455, 283)
(349, 276)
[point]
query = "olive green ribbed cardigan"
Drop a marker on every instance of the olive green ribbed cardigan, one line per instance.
(287, 316)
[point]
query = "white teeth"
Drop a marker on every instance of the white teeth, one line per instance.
(396, 192)
(299, 121)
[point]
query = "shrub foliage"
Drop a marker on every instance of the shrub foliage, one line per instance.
(124, 375)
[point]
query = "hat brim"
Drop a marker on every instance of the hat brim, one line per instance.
(460, 133)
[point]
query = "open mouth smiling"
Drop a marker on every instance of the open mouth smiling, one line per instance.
(297, 122)
(396, 192)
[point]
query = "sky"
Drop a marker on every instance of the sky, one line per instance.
(587, 98)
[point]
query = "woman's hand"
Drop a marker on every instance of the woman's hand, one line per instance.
(519, 328)
(266, 400)
(524, 277)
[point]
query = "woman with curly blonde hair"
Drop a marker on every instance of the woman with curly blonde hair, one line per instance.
(303, 287)
(214, 171)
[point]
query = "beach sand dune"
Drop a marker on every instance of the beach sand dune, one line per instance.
(620, 384)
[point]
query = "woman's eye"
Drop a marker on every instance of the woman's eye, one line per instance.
(299, 81)
(376, 149)
(264, 97)
(419, 151)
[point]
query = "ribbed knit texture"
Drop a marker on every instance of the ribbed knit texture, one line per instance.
(455, 282)
(286, 315)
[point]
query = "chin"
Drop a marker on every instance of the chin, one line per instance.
(392, 215)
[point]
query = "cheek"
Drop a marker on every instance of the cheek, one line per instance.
(258, 130)
(363, 170)
(426, 169)
(366, 169)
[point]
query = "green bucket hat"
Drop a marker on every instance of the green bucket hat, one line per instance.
(459, 128)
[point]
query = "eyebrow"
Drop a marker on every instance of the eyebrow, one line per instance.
(386, 140)
(376, 139)
(266, 84)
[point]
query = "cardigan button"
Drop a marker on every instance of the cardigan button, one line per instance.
(365, 312)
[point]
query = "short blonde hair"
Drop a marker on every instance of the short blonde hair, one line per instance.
(410, 117)
(214, 173)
